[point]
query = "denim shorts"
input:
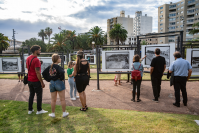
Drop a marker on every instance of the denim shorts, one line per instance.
(57, 85)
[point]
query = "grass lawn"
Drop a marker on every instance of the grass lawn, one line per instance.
(14, 118)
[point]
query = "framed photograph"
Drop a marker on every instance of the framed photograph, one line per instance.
(91, 58)
(10, 64)
(46, 61)
(117, 60)
(166, 51)
(64, 58)
(192, 57)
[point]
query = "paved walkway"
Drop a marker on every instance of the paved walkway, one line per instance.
(112, 97)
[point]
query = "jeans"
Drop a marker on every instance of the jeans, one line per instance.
(180, 84)
(35, 87)
(72, 85)
(156, 84)
(57, 85)
(136, 83)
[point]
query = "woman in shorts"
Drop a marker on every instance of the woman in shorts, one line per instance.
(55, 74)
(81, 77)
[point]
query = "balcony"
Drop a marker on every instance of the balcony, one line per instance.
(190, 18)
(189, 27)
(191, 21)
(190, 12)
(172, 7)
(191, 2)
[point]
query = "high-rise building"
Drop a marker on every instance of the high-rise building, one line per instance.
(142, 24)
(176, 17)
(126, 22)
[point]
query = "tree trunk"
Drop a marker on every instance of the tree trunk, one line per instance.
(49, 39)
(43, 38)
(118, 43)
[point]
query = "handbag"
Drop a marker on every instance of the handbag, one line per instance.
(135, 74)
(25, 81)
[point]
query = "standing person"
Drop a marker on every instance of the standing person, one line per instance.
(55, 74)
(117, 78)
(35, 81)
(182, 72)
(20, 74)
(70, 72)
(137, 66)
(81, 77)
(158, 65)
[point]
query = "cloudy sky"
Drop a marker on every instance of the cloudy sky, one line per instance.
(28, 17)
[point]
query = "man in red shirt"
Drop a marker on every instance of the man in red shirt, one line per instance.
(35, 81)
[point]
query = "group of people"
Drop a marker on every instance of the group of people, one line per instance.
(78, 74)
(180, 68)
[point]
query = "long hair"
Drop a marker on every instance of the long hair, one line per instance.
(78, 60)
(70, 63)
(55, 58)
(136, 58)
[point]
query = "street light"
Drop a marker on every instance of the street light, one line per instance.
(93, 46)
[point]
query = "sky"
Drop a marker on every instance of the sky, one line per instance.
(28, 17)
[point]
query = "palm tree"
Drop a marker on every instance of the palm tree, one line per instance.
(105, 39)
(118, 33)
(42, 34)
(3, 44)
(58, 43)
(71, 35)
(96, 35)
(48, 32)
(195, 30)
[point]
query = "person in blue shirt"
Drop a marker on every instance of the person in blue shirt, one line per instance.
(182, 72)
(137, 66)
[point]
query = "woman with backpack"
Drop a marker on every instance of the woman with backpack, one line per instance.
(136, 76)
(55, 74)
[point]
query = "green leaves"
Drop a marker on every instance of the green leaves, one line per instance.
(195, 28)
(96, 35)
(3, 44)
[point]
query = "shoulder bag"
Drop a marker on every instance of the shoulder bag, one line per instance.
(26, 77)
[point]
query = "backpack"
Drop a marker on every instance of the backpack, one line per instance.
(135, 74)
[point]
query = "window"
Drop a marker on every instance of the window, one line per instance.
(161, 24)
(172, 19)
(191, 1)
(176, 26)
(196, 14)
(182, 7)
(161, 12)
(173, 14)
(178, 8)
(197, 9)
(178, 4)
(177, 22)
(161, 16)
(172, 6)
(171, 28)
(182, 21)
(161, 28)
(160, 40)
(172, 23)
(181, 11)
(171, 40)
(182, 2)
(161, 20)
(178, 13)
(181, 26)
(177, 18)
(161, 7)
(190, 11)
(197, 4)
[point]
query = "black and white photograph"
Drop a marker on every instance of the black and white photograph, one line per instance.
(45, 62)
(117, 60)
(164, 52)
(44, 66)
(91, 58)
(10, 64)
(192, 56)
(195, 60)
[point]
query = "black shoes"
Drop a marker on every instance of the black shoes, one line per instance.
(138, 100)
(133, 100)
(176, 104)
(185, 104)
(155, 100)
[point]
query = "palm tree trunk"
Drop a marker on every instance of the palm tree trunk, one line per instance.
(118, 43)
(43, 38)
(49, 39)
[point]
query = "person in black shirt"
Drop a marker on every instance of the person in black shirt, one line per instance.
(55, 74)
(158, 65)
(81, 77)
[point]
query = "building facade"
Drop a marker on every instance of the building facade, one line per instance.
(17, 43)
(126, 22)
(142, 24)
(176, 17)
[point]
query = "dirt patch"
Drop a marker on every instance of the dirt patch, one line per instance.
(112, 97)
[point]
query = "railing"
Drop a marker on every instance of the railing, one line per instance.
(191, 1)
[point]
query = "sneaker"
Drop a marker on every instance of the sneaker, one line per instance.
(30, 112)
(77, 96)
(73, 99)
(41, 112)
(52, 115)
(155, 100)
(65, 114)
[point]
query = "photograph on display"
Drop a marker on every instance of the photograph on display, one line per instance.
(90, 59)
(44, 66)
(117, 60)
(150, 53)
(10, 64)
(195, 60)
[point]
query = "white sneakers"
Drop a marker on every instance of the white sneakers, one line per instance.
(30, 112)
(77, 96)
(64, 114)
(73, 99)
(41, 112)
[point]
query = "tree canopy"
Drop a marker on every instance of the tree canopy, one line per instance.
(3, 44)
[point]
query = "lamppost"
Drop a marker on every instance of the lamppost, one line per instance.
(93, 46)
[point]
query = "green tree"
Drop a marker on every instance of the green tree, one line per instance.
(96, 35)
(48, 32)
(82, 42)
(3, 44)
(71, 35)
(42, 34)
(105, 39)
(143, 42)
(58, 43)
(34, 41)
(195, 28)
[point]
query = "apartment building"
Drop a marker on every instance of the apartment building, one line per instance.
(176, 17)
(126, 22)
(17, 43)
(142, 24)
